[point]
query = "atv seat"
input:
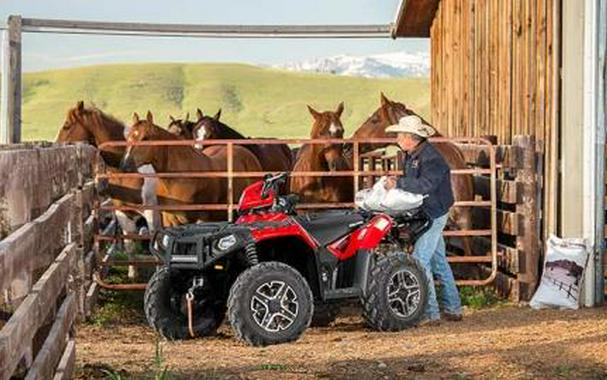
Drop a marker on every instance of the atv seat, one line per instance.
(328, 226)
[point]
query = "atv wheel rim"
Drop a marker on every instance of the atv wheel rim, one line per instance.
(274, 306)
(404, 293)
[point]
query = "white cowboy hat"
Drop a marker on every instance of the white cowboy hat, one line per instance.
(412, 124)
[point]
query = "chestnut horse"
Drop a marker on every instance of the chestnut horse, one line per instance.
(272, 157)
(463, 186)
(322, 158)
(95, 127)
(186, 191)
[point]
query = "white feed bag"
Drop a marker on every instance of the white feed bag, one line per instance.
(397, 200)
(563, 273)
(392, 201)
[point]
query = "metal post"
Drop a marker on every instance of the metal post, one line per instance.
(600, 159)
(10, 125)
(593, 206)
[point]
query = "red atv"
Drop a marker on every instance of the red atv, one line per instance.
(275, 272)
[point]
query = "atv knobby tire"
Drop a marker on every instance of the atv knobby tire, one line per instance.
(289, 301)
(165, 311)
(324, 314)
(377, 310)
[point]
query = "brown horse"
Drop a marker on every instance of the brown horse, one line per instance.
(323, 158)
(95, 127)
(181, 127)
(186, 191)
(272, 157)
(463, 186)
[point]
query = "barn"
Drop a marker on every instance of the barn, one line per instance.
(520, 82)
(534, 68)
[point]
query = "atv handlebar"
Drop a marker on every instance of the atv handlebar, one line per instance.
(271, 182)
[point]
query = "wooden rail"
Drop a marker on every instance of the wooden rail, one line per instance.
(519, 199)
(44, 274)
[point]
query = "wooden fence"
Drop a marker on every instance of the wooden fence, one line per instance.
(519, 197)
(46, 258)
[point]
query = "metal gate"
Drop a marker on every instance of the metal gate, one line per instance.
(364, 166)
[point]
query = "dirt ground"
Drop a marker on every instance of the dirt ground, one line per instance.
(501, 342)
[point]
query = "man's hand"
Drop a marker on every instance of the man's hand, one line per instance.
(390, 183)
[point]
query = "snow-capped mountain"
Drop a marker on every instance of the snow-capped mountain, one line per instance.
(387, 65)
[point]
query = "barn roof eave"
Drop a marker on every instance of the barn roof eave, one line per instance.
(414, 18)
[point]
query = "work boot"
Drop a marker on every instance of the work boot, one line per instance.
(451, 317)
(427, 322)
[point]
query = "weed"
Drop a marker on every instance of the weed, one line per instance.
(273, 367)
(563, 370)
(478, 297)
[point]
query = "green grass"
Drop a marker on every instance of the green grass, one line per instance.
(478, 297)
(256, 101)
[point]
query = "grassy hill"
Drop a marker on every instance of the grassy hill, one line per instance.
(256, 101)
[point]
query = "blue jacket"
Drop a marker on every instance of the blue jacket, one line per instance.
(426, 172)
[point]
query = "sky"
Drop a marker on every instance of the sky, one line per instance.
(51, 51)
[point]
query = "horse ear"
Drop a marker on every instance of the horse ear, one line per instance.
(149, 117)
(384, 100)
(187, 117)
(199, 114)
(172, 118)
(217, 115)
(135, 118)
(340, 109)
(80, 105)
(313, 112)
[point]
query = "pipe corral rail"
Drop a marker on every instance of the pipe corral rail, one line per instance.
(357, 172)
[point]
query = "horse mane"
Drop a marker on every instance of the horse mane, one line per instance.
(159, 133)
(100, 120)
(227, 132)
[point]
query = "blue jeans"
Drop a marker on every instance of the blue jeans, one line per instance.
(431, 252)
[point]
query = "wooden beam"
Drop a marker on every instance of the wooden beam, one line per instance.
(507, 191)
(528, 242)
(43, 236)
(414, 18)
(49, 355)
(65, 369)
(10, 108)
(17, 334)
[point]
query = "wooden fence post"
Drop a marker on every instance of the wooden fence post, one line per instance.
(527, 240)
(10, 125)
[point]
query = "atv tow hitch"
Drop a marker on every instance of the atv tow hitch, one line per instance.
(189, 297)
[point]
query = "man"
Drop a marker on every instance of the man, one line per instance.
(427, 173)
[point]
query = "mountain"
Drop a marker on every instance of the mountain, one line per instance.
(387, 65)
(256, 101)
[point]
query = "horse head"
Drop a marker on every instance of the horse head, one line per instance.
(210, 127)
(375, 126)
(183, 128)
(76, 126)
(327, 124)
(136, 155)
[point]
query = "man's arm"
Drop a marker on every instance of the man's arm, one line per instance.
(431, 175)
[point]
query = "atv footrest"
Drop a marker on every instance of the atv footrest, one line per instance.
(343, 293)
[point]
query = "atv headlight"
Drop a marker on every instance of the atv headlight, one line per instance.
(226, 242)
(165, 240)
